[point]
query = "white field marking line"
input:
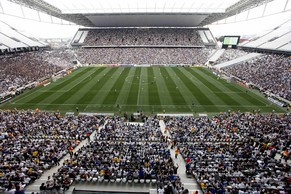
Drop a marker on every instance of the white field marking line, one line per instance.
(139, 88)
(259, 98)
(217, 92)
(196, 81)
(88, 105)
(15, 102)
(23, 97)
(180, 82)
(228, 92)
(169, 105)
(90, 77)
(237, 86)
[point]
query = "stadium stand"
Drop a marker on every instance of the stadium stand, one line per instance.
(237, 61)
(13, 40)
(276, 40)
(215, 56)
(2, 47)
(145, 34)
(207, 37)
(14, 34)
(11, 43)
(143, 37)
(235, 152)
(286, 47)
(20, 69)
(79, 37)
(229, 152)
(230, 54)
(143, 45)
(144, 55)
(269, 72)
(32, 142)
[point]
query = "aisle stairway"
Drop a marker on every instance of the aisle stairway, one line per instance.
(189, 182)
(34, 187)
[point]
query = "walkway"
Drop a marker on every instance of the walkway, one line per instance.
(34, 187)
(89, 186)
(189, 182)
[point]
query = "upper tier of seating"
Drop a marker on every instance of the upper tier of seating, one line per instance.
(143, 37)
(10, 38)
(276, 39)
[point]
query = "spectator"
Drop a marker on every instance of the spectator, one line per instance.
(20, 69)
(235, 151)
(49, 184)
(161, 190)
(270, 73)
(10, 189)
(177, 151)
(18, 190)
(192, 56)
(140, 36)
(42, 188)
(230, 54)
(46, 139)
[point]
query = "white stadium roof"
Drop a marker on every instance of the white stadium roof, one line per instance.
(138, 6)
(97, 13)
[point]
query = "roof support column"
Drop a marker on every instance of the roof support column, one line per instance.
(285, 7)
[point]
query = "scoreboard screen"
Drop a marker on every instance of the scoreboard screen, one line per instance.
(231, 40)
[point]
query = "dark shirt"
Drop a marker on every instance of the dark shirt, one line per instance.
(19, 192)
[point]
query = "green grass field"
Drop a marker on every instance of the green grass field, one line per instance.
(147, 89)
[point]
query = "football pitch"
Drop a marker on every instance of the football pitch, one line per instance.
(148, 89)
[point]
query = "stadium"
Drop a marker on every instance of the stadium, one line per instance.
(145, 97)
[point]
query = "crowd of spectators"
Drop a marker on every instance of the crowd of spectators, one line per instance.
(20, 69)
(195, 56)
(158, 38)
(236, 152)
(61, 57)
(228, 153)
(32, 142)
(143, 36)
(118, 130)
(230, 54)
(127, 153)
(46, 125)
(270, 72)
(121, 159)
(186, 129)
